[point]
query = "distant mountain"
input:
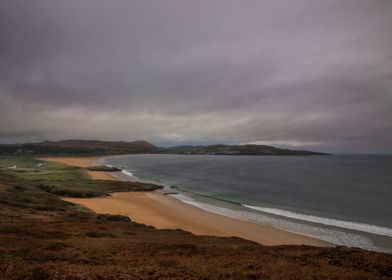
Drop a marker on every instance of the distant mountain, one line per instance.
(78, 147)
(94, 147)
(235, 150)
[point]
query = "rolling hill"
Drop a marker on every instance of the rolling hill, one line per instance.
(95, 147)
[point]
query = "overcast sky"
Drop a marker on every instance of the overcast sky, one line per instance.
(296, 73)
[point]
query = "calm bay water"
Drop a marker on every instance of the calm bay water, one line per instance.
(346, 200)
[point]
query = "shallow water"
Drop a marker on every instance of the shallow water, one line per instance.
(345, 200)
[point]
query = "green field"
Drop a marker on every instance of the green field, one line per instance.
(62, 179)
(30, 168)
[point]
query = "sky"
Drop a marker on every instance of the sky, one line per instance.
(301, 74)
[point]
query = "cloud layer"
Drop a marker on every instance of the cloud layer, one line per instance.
(298, 73)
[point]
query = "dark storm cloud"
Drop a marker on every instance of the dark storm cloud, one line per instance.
(300, 73)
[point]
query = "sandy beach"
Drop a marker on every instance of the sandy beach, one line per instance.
(165, 212)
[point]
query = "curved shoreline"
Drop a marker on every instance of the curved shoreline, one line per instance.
(165, 212)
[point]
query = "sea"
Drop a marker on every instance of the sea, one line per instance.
(342, 199)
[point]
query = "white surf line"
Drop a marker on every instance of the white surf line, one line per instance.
(379, 230)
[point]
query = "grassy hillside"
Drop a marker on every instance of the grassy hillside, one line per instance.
(64, 180)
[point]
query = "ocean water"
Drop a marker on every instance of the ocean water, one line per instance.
(342, 199)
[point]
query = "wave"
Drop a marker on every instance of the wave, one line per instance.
(330, 235)
(127, 173)
(207, 196)
(325, 221)
(130, 176)
(379, 230)
(124, 175)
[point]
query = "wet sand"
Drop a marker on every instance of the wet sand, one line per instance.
(165, 212)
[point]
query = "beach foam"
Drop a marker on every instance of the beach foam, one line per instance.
(325, 221)
(337, 237)
(127, 173)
